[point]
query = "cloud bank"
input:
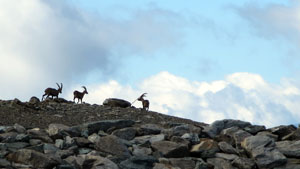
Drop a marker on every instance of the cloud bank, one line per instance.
(43, 42)
(243, 96)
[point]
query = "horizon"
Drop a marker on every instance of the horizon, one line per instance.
(201, 61)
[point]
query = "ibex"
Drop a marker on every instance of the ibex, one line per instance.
(79, 95)
(53, 92)
(145, 103)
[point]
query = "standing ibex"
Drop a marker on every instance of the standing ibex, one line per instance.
(53, 92)
(145, 103)
(79, 95)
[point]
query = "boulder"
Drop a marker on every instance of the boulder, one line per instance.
(283, 130)
(216, 127)
(262, 149)
(220, 163)
(205, 149)
(149, 129)
(183, 162)
(289, 148)
(139, 162)
(34, 158)
(170, 149)
(113, 145)
(243, 163)
(125, 133)
(227, 148)
(114, 102)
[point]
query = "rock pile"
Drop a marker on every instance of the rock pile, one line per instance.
(129, 144)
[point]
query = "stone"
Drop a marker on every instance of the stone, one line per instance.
(34, 100)
(37, 133)
(148, 138)
(186, 163)
(291, 164)
(55, 131)
(262, 149)
(243, 163)
(240, 135)
(82, 142)
(295, 135)
(94, 127)
(220, 163)
(268, 134)
(216, 127)
(34, 158)
(229, 157)
(164, 166)
(19, 129)
(170, 149)
(289, 148)
(193, 138)
(4, 163)
(125, 133)
(254, 129)
(114, 102)
(139, 162)
(227, 148)
(149, 129)
(94, 138)
(282, 130)
(113, 145)
(141, 151)
(205, 149)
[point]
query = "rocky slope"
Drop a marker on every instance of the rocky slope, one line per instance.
(63, 135)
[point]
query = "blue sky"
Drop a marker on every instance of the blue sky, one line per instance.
(200, 60)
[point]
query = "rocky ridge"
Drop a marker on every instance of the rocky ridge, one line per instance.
(58, 134)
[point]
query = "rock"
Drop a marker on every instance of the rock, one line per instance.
(56, 131)
(94, 138)
(185, 163)
(268, 134)
(193, 138)
(229, 157)
(19, 128)
(243, 163)
(170, 149)
(220, 163)
(164, 166)
(227, 148)
(112, 145)
(125, 133)
(34, 158)
(254, 129)
(149, 129)
(291, 164)
(139, 162)
(295, 135)
(205, 149)
(148, 138)
(34, 100)
(82, 142)
(239, 136)
(94, 127)
(283, 130)
(262, 149)
(114, 102)
(4, 163)
(37, 133)
(289, 148)
(216, 127)
(141, 151)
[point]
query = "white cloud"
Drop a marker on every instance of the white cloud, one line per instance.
(243, 96)
(274, 20)
(43, 42)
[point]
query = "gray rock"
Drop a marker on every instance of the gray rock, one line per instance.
(205, 149)
(227, 148)
(94, 127)
(243, 163)
(229, 157)
(164, 166)
(114, 102)
(220, 163)
(56, 131)
(59, 143)
(149, 129)
(216, 127)
(239, 136)
(289, 148)
(20, 129)
(141, 151)
(183, 163)
(282, 130)
(94, 138)
(125, 133)
(193, 138)
(262, 149)
(34, 100)
(49, 148)
(268, 134)
(112, 145)
(170, 149)
(139, 162)
(295, 135)
(291, 164)
(4, 163)
(254, 129)
(34, 158)
(16, 146)
(148, 138)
